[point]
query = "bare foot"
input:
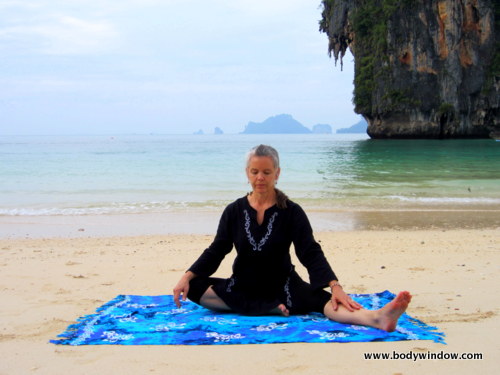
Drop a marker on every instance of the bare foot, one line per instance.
(281, 310)
(284, 310)
(387, 317)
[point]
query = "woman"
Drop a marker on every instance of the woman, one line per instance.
(262, 226)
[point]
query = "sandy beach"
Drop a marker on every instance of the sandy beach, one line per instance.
(47, 282)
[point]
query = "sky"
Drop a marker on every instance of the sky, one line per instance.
(166, 66)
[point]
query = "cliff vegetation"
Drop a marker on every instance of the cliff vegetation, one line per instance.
(423, 68)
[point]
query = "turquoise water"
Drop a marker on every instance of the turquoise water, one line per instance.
(79, 175)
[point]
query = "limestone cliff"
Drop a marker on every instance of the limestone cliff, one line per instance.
(423, 68)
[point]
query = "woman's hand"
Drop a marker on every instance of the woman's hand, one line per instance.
(182, 288)
(340, 297)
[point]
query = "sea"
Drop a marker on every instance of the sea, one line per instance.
(134, 174)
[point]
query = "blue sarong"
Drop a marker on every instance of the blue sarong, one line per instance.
(155, 320)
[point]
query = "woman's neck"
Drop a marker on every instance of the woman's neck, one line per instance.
(262, 200)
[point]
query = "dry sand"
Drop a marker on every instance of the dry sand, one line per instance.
(47, 283)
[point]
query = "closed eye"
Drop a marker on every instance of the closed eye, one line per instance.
(256, 171)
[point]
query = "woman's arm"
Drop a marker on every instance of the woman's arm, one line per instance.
(312, 257)
(309, 251)
(209, 260)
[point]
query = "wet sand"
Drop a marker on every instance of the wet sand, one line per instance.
(205, 222)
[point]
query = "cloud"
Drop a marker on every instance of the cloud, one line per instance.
(265, 7)
(182, 62)
(70, 35)
(62, 35)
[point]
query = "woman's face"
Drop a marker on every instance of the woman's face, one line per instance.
(262, 174)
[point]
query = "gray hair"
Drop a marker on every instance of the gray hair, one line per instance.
(264, 150)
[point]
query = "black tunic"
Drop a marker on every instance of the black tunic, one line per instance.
(263, 273)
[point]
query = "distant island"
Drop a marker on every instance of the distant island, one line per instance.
(322, 129)
(280, 124)
(359, 127)
(284, 124)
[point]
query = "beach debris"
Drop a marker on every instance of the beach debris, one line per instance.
(76, 276)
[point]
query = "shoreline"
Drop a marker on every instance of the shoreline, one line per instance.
(205, 222)
(47, 283)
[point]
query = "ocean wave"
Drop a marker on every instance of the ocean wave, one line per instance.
(72, 211)
(112, 209)
(341, 203)
(444, 200)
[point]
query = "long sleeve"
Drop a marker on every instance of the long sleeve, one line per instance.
(210, 260)
(309, 251)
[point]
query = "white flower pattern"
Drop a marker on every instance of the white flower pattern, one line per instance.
(219, 337)
(270, 327)
(220, 320)
(328, 335)
(113, 337)
(167, 327)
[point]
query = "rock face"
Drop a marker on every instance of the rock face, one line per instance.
(358, 128)
(423, 68)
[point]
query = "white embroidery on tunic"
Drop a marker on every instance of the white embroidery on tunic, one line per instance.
(230, 285)
(262, 242)
(288, 295)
